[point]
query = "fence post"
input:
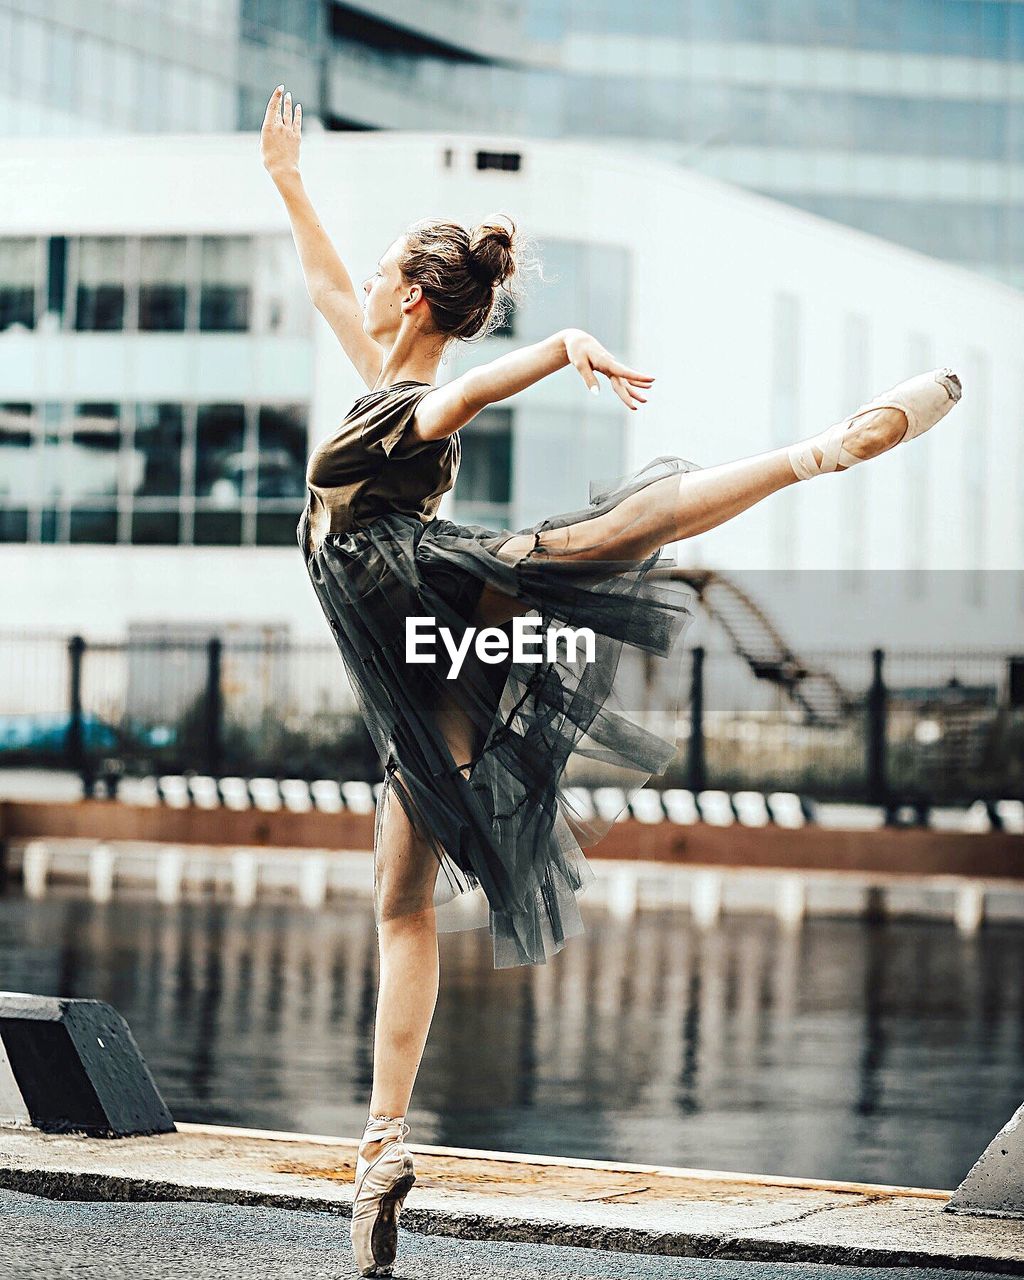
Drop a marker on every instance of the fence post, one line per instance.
(878, 787)
(696, 764)
(74, 742)
(214, 708)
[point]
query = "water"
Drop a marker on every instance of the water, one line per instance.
(886, 1052)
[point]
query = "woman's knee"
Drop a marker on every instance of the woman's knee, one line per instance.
(405, 866)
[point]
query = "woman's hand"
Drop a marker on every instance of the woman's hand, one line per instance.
(587, 355)
(281, 135)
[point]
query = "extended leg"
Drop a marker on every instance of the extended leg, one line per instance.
(676, 507)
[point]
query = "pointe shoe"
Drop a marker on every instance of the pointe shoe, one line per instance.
(381, 1185)
(925, 399)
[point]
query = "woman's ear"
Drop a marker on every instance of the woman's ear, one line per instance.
(412, 295)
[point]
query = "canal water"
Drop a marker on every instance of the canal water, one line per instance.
(882, 1052)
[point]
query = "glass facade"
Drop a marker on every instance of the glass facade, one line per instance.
(128, 471)
(903, 118)
(151, 473)
(158, 284)
(518, 466)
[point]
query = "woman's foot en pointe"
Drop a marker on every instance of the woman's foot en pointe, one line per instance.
(384, 1175)
(905, 411)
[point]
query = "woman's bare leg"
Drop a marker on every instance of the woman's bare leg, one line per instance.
(405, 870)
(679, 506)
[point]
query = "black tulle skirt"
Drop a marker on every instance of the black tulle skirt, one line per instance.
(501, 821)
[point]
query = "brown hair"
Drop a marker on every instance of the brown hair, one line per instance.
(469, 277)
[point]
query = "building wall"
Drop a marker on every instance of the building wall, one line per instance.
(904, 119)
(761, 323)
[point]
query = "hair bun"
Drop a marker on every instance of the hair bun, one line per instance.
(492, 258)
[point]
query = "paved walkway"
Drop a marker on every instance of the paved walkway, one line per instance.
(53, 1240)
(505, 1197)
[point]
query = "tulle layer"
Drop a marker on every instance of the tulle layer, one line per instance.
(497, 814)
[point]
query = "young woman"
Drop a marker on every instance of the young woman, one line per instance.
(477, 762)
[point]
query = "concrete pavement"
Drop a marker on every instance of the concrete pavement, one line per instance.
(525, 1199)
(55, 1240)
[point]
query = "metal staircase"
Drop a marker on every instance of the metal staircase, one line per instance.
(818, 694)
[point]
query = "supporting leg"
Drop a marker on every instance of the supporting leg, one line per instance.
(405, 872)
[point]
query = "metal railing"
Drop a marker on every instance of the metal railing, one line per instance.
(919, 727)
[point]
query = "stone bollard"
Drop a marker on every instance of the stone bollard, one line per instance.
(101, 873)
(313, 881)
(170, 872)
(706, 897)
(969, 908)
(245, 877)
(35, 868)
(623, 893)
(995, 1184)
(72, 1066)
(791, 899)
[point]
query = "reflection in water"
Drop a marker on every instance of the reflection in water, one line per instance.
(886, 1052)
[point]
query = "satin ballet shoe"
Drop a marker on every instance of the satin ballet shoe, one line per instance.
(381, 1185)
(925, 399)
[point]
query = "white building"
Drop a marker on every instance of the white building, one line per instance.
(164, 376)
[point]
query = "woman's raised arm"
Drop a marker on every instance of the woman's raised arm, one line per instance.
(328, 283)
(450, 406)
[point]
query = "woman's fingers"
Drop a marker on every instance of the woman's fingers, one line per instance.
(624, 371)
(287, 112)
(626, 394)
(274, 105)
(582, 366)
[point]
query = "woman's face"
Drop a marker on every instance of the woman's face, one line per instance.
(385, 292)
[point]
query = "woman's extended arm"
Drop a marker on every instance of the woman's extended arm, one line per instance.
(328, 283)
(450, 406)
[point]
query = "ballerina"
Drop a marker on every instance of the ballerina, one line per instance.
(477, 763)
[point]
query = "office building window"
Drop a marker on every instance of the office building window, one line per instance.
(152, 473)
(282, 452)
(586, 285)
(225, 283)
(19, 462)
(221, 463)
(181, 283)
(163, 283)
(154, 463)
(19, 266)
(483, 490)
(101, 274)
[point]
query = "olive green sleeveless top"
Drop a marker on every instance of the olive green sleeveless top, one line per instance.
(372, 466)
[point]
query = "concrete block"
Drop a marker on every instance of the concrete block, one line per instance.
(969, 907)
(245, 877)
(170, 872)
(35, 867)
(791, 899)
(716, 808)
(101, 873)
(680, 805)
(313, 881)
(995, 1184)
(706, 897)
(359, 797)
(72, 1066)
(326, 795)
